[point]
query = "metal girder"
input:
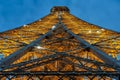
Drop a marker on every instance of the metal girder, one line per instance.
(107, 59)
(100, 54)
(58, 73)
(61, 60)
(16, 55)
(61, 75)
(51, 58)
(54, 57)
(30, 61)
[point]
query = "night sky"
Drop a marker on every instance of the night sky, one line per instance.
(15, 13)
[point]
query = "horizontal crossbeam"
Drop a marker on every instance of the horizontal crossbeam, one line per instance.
(73, 73)
(51, 58)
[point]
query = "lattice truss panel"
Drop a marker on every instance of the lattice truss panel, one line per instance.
(58, 51)
(60, 47)
(104, 39)
(12, 40)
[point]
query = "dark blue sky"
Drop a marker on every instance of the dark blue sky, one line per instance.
(15, 13)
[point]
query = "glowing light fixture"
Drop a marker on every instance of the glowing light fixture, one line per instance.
(103, 29)
(89, 31)
(39, 47)
(53, 27)
(98, 32)
(40, 20)
(24, 25)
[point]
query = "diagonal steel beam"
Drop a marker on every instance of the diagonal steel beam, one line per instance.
(22, 64)
(90, 61)
(19, 53)
(99, 53)
(56, 56)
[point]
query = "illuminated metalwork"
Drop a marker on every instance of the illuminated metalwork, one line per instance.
(60, 47)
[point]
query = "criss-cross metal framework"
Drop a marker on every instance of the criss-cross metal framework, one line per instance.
(60, 47)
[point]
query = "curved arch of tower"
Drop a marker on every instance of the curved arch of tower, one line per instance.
(60, 46)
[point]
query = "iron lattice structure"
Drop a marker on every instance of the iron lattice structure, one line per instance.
(60, 46)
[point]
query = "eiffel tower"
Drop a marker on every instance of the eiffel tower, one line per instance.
(60, 46)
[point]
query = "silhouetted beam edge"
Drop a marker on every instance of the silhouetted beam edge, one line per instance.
(99, 53)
